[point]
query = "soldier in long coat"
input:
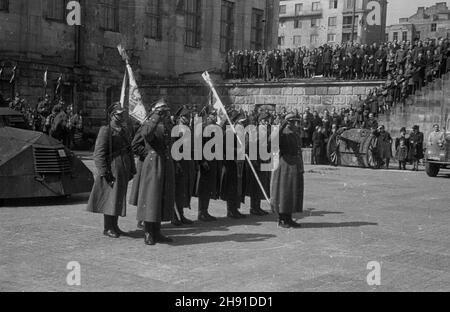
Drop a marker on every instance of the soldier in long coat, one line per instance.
(232, 188)
(207, 179)
(287, 185)
(252, 189)
(184, 177)
(157, 185)
(140, 151)
(115, 168)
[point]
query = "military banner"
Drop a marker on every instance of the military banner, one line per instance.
(136, 105)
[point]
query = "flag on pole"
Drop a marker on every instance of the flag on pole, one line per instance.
(124, 90)
(218, 105)
(136, 105)
(45, 77)
(13, 77)
(1, 71)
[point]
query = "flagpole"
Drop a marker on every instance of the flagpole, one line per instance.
(213, 89)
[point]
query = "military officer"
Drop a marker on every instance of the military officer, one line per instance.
(157, 185)
(253, 189)
(115, 166)
(287, 185)
(207, 180)
(232, 188)
(184, 176)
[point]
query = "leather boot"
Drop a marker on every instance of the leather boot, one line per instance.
(149, 234)
(292, 223)
(116, 226)
(203, 214)
(256, 210)
(140, 225)
(159, 237)
(282, 221)
(109, 227)
(232, 211)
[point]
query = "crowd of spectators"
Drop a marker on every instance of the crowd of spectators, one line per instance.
(405, 66)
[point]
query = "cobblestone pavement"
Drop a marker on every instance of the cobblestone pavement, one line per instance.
(352, 217)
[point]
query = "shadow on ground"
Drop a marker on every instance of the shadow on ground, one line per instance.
(77, 199)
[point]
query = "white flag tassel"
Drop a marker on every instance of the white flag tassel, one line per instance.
(221, 110)
(136, 104)
(124, 90)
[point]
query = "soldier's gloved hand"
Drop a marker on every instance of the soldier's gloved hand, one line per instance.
(109, 178)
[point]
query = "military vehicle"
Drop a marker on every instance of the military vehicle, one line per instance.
(438, 157)
(352, 148)
(33, 165)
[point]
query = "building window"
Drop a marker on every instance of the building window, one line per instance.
(281, 41)
(4, 5)
(257, 29)
(433, 27)
(405, 36)
(298, 8)
(418, 35)
(349, 4)
(347, 22)
(56, 10)
(395, 36)
(193, 16)
(153, 23)
(315, 22)
(314, 39)
(347, 37)
(110, 15)
(297, 23)
(331, 38)
(333, 4)
(315, 6)
(227, 26)
(332, 21)
(297, 40)
(282, 9)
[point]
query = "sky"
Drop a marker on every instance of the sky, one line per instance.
(405, 8)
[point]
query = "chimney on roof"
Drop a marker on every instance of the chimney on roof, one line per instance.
(421, 10)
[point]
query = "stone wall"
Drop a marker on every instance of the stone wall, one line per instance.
(316, 95)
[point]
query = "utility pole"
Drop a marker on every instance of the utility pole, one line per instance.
(353, 20)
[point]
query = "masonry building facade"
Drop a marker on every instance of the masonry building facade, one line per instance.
(312, 23)
(165, 39)
(427, 23)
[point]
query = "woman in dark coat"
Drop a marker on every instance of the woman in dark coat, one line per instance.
(115, 166)
(415, 153)
(157, 187)
(287, 185)
(276, 67)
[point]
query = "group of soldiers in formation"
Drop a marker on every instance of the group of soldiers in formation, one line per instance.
(53, 118)
(420, 60)
(163, 188)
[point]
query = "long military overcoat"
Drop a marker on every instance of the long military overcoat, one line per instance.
(157, 184)
(112, 154)
(287, 184)
(139, 150)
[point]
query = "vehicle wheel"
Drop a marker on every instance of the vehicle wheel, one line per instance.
(432, 170)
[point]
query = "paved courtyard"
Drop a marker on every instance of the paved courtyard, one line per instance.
(352, 217)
